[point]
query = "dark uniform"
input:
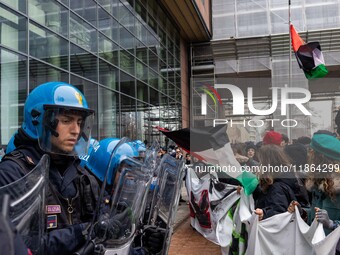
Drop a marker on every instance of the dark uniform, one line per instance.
(70, 196)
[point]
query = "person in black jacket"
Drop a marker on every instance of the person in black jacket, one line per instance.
(57, 122)
(277, 184)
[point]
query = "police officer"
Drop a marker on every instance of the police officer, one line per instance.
(57, 122)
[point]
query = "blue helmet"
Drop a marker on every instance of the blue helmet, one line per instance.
(93, 144)
(45, 104)
(141, 148)
(99, 159)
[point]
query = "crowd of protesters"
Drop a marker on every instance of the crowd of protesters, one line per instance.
(312, 182)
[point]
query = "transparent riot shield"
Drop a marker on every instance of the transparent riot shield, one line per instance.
(26, 206)
(151, 160)
(127, 206)
(166, 197)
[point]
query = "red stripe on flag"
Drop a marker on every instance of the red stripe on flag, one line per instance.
(296, 39)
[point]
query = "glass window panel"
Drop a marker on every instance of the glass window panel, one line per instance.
(126, 17)
(142, 54)
(177, 64)
(50, 14)
(153, 60)
(164, 111)
(87, 9)
(110, 5)
(108, 75)
(108, 50)
(163, 52)
(83, 34)
(90, 91)
(18, 5)
(163, 85)
(142, 91)
(141, 71)
(153, 79)
(171, 75)
(128, 117)
(66, 2)
(163, 37)
(153, 7)
(152, 39)
(127, 62)
(154, 121)
(143, 124)
(164, 70)
(141, 26)
(48, 46)
(108, 113)
(13, 81)
(152, 24)
(41, 73)
(13, 30)
(83, 63)
(178, 95)
(171, 51)
(171, 90)
(127, 40)
(127, 84)
(160, 15)
(107, 25)
(178, 80)
(154, 97)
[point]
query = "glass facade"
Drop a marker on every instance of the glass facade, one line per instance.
(123, 55)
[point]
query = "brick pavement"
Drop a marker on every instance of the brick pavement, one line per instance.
(187, 241)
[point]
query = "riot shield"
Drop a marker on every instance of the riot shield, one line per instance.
(166, 197)
(151, 160)
(115, 233)
(128, 199)
(26, 207)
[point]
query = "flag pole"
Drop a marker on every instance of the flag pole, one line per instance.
(290, 64)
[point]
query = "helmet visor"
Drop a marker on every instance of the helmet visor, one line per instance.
(66, 131)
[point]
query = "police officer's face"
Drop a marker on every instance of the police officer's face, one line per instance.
(68, 128)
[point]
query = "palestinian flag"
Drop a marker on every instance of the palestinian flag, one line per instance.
(309, 56)
(211, 145)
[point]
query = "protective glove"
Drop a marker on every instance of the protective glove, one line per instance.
(153, 239)
(321, 215)
(114, 227)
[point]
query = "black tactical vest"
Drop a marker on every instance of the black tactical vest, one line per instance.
(61, 212)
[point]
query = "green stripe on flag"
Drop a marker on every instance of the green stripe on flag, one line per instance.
(249, 182)
(318, 72)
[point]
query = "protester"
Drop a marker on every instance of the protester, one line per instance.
(57, 122)
(245, 153)
(276, 188)
(324, 184)
(272, 137)
(285, 140)
(298, 158)
(162, 152)
(187, 159)
(305, 140)
(179, 154)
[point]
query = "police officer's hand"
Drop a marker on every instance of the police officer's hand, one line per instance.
(113, 227)
(321, 215)
(153, 239)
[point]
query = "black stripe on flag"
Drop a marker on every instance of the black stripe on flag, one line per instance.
(199, 139)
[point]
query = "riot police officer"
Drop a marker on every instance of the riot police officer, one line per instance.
(57, 122)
